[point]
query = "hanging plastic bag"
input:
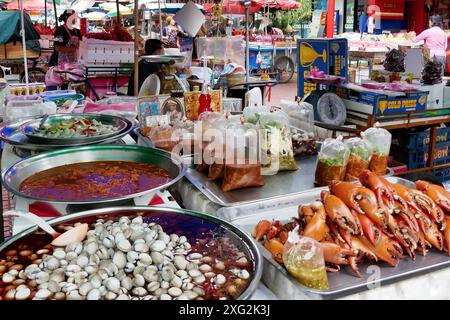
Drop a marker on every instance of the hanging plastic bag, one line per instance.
(332, 162)
(304, 259)
(359, 158)
(380, 143)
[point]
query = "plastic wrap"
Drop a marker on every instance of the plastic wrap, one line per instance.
(237, 176)
(380, 145)
(301, 114)
(332, 162)
(359, 158)
(304, 259)
(162, 136)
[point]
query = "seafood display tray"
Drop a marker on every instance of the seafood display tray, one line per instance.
(342, 283)
(282, 184)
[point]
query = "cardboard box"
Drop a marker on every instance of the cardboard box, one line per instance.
(435, 96)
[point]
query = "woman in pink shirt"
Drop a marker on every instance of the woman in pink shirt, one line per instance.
(436, 40)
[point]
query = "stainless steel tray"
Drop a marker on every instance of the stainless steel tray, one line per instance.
(282, 184)
(11, 134)
(343, 283)
(29, 127)
(188, 221)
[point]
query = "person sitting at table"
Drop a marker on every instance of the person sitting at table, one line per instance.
(152, 47)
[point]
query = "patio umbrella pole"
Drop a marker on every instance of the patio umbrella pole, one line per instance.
(136, 49)
(118, 11)
(56, 14)
(160, 21)
(24, 45)
(247, 50)
(45, 15)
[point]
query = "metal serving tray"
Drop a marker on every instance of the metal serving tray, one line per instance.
(10, 133)
(282, 184)
(342, 283)
(29, 128)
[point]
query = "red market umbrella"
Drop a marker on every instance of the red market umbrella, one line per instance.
(279, 4)
(233, 7)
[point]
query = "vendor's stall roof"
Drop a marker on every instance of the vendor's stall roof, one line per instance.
(10, 26)
(233, 7)
(29, 5)
(165, 7)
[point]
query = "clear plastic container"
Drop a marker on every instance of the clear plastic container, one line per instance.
(332, 162)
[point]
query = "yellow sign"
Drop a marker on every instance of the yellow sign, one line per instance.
(308, 55)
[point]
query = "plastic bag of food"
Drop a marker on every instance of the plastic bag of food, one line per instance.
(242, 167)
(359, 158)
(303, 143)
(163, 137)
(277, 151)
(380, 144)
(332, 162)
(252, 114)
(304, 259)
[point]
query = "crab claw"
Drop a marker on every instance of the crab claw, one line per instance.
(370, 230)
(317, 227)
(435, 192)
(427, 205)
(361, 200)
(379, 186)
(404, 235)
(339, 213)
(430, 231)
(386, 250)
(335, 254)
(407, 215)
(261, 229)
(447, 234)
(362, 249)
(276, 248)
(352, 262)
(422, 244)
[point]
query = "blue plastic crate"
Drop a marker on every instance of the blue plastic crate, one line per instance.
(422, 139)
(443, 174)
(417, 158)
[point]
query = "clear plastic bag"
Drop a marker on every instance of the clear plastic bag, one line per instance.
(359, 158)
(301, 114)
(277, 151)
(163, 137)
(332, 162)
(304, 259)
(380, 144)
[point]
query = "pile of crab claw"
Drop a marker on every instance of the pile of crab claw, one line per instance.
(377, 220)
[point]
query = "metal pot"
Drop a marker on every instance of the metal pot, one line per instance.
(171, 219)
(16, 174)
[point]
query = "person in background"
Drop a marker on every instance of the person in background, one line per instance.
(67, 39)
(217, 30)
(436, 40)
(170, 33)
(152, 47)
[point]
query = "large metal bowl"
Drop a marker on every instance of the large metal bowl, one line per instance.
(183, 222)
(29, 128)
(16, 174)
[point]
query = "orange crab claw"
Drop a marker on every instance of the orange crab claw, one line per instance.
(435, 192)
(379, 186)
(447, 234)
(430, 231)
(422, 244)
(404, 235)
(261, 229)
(362, 249)
(370, 230)
(317, 227)
(386, 250)
(276, 248)
(428, 206)
(339, 213)
(361, 200)
(335, 254)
